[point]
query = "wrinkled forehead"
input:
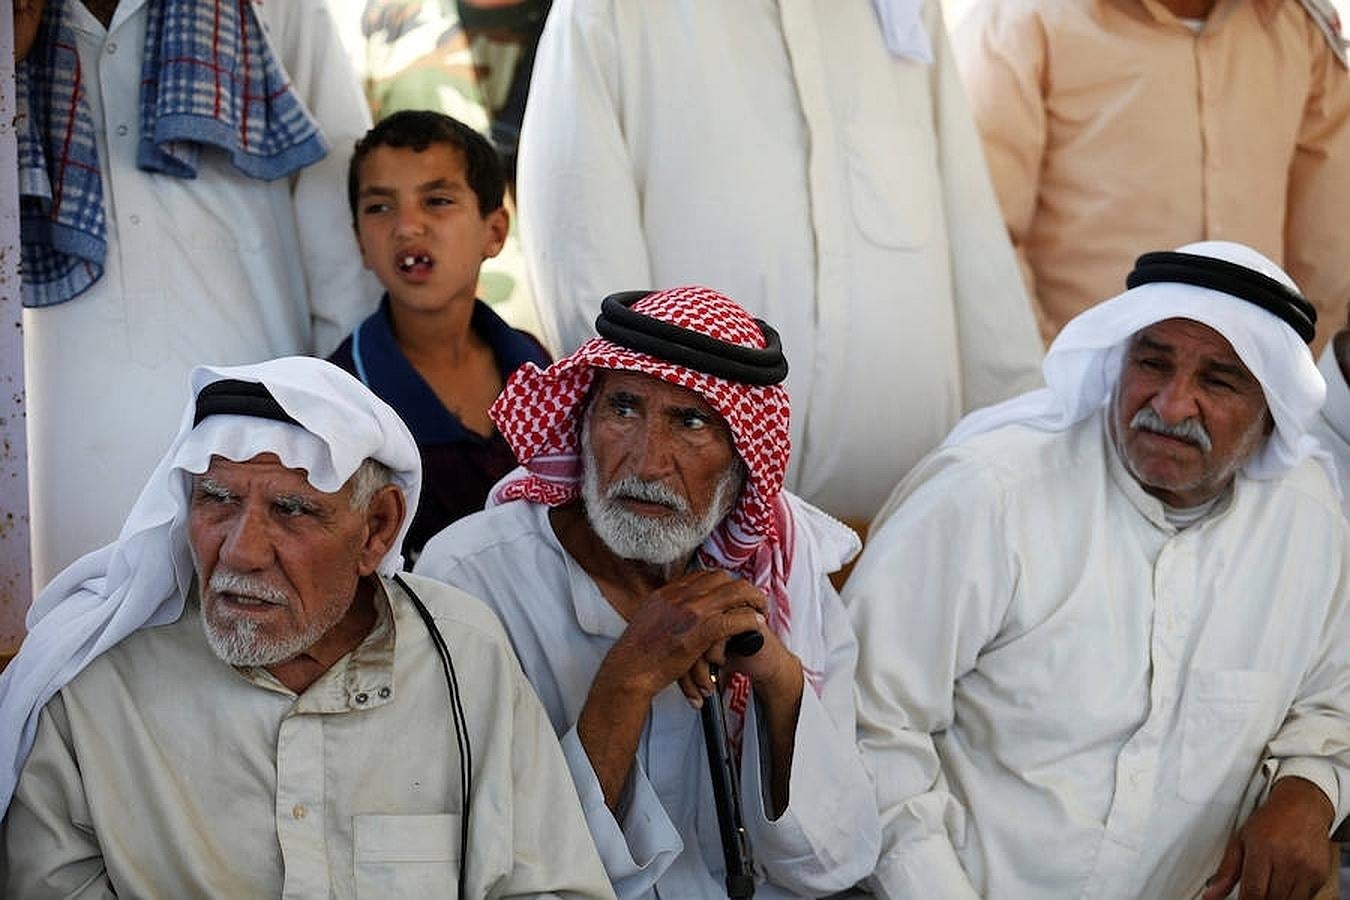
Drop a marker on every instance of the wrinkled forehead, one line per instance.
(657, 396)
(1194, 347)
(263, 466)
(650, 388)
(1187, 337)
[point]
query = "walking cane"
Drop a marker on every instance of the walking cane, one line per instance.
(725, 783)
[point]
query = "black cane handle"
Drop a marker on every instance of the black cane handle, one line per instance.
(747, 643)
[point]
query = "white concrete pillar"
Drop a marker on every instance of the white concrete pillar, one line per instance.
(15, 562)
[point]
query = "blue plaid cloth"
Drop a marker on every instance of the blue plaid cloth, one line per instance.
(209, 78)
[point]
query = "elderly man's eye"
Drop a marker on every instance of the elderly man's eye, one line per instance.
(623, 405)
(695, 421)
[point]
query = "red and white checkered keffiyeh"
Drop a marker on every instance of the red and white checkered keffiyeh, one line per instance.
(539, 414)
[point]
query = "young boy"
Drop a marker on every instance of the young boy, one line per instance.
(426, 197)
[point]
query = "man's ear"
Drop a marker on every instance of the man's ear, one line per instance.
(384, 516)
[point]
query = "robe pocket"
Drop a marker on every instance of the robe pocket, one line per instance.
(892, 183)
(406, 856)
(1229, 716)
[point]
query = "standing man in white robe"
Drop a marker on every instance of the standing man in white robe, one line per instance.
(817, 161)
(243, 259)
(1104, 641)
(648, 526)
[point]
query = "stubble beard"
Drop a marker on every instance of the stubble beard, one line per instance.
(239, 641)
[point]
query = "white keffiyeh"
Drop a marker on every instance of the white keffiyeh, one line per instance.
(1083, 364)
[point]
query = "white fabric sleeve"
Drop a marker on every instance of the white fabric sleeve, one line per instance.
(1000, 345)
(49, 846)
(640, 843)
(1314, 740)
(580, 213)
(923, 615)
(828, 837)
(340, 291)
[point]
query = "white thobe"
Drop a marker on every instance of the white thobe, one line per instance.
(221, 269)
(778, 153)
(1061, 695)
(162, 772)
(1332, 426)
(663, 841)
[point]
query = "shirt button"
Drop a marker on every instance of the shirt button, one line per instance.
(134, 219)
(298, 812)
(112, 47)
(384, 693)
(122, 130)
(362, 697)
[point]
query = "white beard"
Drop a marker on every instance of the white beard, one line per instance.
(658, 541)
(237, 640)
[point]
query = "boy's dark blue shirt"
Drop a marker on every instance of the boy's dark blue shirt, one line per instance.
(459, 467)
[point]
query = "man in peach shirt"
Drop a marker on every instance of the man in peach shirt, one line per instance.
(1114, 125)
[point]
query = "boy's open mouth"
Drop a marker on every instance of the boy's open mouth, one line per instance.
(412, 261)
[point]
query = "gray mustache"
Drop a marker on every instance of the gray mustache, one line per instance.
(227, 582)
(633, 488)
(1189, 430)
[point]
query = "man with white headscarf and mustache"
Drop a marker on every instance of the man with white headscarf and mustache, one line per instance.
(1104, 649)
(647, 527)
(241, 698)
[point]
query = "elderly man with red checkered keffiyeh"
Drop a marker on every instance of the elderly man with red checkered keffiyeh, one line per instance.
(647, 526)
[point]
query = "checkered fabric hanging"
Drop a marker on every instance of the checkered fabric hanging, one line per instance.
(208, 78)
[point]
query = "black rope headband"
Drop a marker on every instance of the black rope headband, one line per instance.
(619, 323)
(1230, 278)
(232, 397)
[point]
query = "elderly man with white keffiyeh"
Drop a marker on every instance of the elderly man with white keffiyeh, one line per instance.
(645, 539)
(241, 697)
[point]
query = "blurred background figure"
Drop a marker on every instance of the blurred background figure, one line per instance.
(1114, 125)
